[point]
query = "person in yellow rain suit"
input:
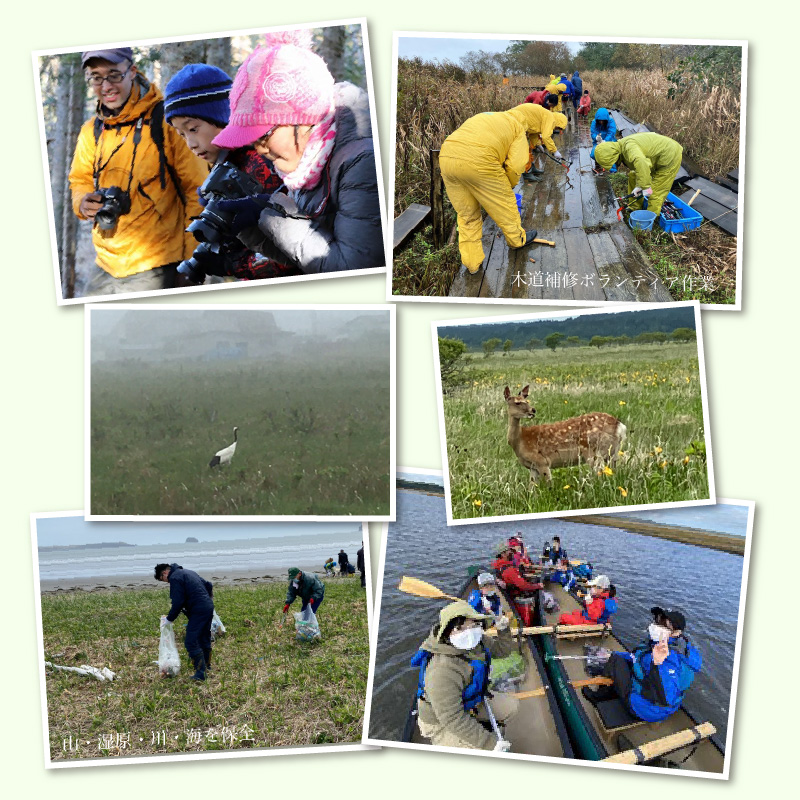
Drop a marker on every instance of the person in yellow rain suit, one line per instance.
(540, 125)
(653, 161)
(557, 88)
(481, 162)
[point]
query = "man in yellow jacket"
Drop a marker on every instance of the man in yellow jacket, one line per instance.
(653, 161)
(481, 163)
(139, 237)
(541, 125)
(557, 88)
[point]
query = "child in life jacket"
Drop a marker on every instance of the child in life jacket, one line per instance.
(485, 599)
(454, 663)
(653, 680)
(599, 604)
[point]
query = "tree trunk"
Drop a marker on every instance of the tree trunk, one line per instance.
(218, 54)
(176, 55)
(331, 49)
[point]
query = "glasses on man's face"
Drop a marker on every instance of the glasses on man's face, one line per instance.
(115, 76)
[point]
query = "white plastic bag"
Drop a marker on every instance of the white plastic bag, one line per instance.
(169, 662)
(217, 628)
(306, 625)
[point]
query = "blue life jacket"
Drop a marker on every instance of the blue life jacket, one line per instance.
(582, 571)
(475, 599)
(473, 695)
(685, 676)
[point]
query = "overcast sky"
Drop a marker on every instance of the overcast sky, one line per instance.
(451, 49)
(75, 530)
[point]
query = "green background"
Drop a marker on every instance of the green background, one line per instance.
(750, 359)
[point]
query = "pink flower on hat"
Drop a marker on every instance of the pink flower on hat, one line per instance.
(282, 83)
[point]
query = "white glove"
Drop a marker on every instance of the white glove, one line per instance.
(558, 155)
(501, 622)
(598, 138)
(637, 191)
(164, 622)
(589, 599)
(647, 192)
(502, 746)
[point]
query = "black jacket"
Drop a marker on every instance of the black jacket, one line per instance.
(360, 560)
(343, 559)
(189, 593)
(336, 225)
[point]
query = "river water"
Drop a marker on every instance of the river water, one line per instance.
(705, 584)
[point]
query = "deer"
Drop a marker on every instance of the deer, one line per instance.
(594, 438)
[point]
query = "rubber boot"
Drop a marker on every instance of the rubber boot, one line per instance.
(531, 176)
(200, 669)
(535, 170)
(529, 237)
(207, 657)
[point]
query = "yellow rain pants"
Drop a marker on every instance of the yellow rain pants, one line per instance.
(481, 162)
(653, 161)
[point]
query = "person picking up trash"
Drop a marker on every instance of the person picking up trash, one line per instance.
(653, 161)
(193, 595)
(307, 586)
(653, 679)
(454, 663)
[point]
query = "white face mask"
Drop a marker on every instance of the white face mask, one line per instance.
(466, 640)
(658, 633)
(295, 584)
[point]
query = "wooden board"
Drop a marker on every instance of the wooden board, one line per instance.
(615, 280)
(711, 191)
(407, 222)
(573, 206)
(728, 184)
(734, 174)
(581, 262)
(646, 282)
(714, 212)
(553, 264)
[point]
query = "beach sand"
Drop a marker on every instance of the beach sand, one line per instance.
(115, 583)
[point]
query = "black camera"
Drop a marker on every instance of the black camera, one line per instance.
(116, 203)
(212, 227)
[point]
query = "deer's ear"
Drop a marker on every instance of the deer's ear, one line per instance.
(506, 393)
(524, 391)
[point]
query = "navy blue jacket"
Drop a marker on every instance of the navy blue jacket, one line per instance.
(577, 82)
(189, 593)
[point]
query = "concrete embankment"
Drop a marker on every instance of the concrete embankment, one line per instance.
(714, 541)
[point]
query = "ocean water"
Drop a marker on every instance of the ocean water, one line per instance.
(704, 584)
(730, 519)
(208, 558)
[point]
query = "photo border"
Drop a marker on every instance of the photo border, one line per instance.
(198, 308)
(62, 301)
(397, 35)
(627, 307)
(569, 762)
(103, 761)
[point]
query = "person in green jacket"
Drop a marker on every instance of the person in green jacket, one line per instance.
(454, 673)
(653, 162)
(307, 586)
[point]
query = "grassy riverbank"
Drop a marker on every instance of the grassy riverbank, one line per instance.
(265, 689)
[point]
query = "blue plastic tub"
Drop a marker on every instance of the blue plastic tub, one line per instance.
(691, 219)
(641, 220)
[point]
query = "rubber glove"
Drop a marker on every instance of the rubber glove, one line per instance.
(647, 192)
(246, 211)
(598, 138)
(558, 155)
(501, 622)
(502, 746)
(285, 608)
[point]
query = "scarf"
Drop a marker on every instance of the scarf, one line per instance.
(308, 172)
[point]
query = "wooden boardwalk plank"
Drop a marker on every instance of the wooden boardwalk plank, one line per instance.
(573, 205)
(734, 174)
(407, 222)
(712, 191)
(649, 287)
(714, 212)
(554, 265)
(581, 262)
(615, 280)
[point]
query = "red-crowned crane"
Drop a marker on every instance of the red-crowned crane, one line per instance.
(225, 455)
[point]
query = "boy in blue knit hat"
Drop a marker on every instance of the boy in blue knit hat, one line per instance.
(196, 104)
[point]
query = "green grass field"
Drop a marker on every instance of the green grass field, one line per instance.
(306, 446)
(654, 389)
(263, 684)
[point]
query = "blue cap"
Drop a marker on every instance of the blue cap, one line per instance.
(199, 90)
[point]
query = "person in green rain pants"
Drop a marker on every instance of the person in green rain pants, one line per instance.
(481, 163)
(653, 162)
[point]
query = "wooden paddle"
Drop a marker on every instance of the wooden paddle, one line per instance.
(659, 747)
(541, 692)
(421, 589)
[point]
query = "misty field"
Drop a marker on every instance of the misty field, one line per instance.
(265, 688)
(314, 439)
(654, 389)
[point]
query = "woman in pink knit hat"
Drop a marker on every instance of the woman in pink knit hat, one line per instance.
(318, 135)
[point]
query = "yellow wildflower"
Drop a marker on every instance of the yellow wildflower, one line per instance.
(622, 403)
(567, 486)
(659, 450)
(663, 464)
(607, 470)
(686, 460)
(477, 503)
(623, 492)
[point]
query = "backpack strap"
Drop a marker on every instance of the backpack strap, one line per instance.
(157, 133)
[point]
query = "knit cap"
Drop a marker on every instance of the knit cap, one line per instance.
(282, 83)
(199, 90)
